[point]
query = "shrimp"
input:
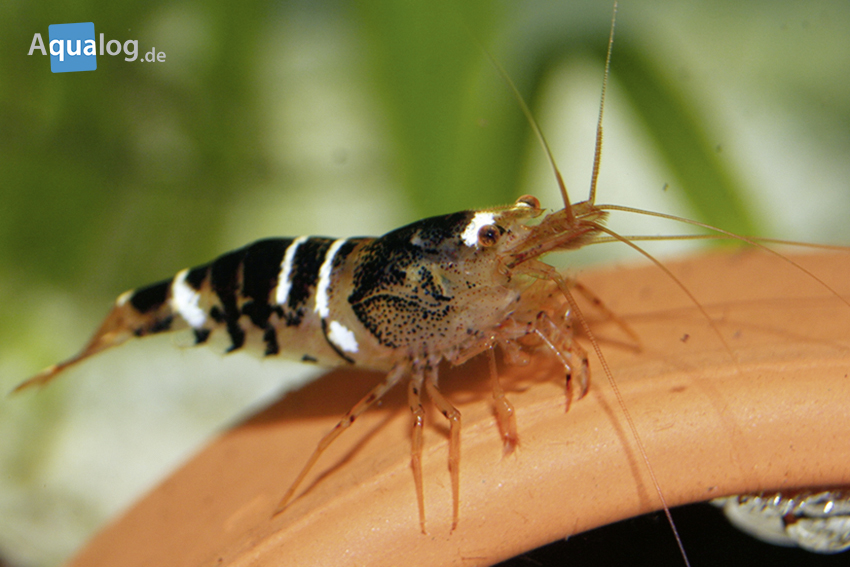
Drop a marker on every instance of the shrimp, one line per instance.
(443, 288)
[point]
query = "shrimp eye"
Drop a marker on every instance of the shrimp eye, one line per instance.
(488, 235)
(529, 201)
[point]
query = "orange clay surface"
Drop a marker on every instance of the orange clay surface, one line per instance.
(774, 416)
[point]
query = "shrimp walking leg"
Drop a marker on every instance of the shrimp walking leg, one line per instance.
(505, 415)
(560, 341)
(453, 415)
(365, 403)
(414, 399)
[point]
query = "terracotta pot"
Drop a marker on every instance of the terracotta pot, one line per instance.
(769, 409)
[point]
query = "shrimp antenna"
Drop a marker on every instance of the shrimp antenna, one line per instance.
(538, 133)
(597, 152)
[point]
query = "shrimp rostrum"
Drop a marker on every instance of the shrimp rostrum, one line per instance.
(443, 288)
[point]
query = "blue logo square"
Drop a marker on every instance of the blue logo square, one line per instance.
(72, 47)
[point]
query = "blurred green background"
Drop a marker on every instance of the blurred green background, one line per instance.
(350, 118)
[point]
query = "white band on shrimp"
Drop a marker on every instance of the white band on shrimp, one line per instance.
(184, 300)
(470, 233)
(322, 298)
(284, 283)
(342, 336)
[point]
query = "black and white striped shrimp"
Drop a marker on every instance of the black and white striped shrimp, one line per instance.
(443, 288)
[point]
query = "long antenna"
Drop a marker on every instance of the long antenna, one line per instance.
(597, 156)
(538, 134)
(597, 153)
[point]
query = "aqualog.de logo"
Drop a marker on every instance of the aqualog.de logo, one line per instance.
(73, 48)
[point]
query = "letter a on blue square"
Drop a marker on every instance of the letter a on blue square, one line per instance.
(67, 47)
